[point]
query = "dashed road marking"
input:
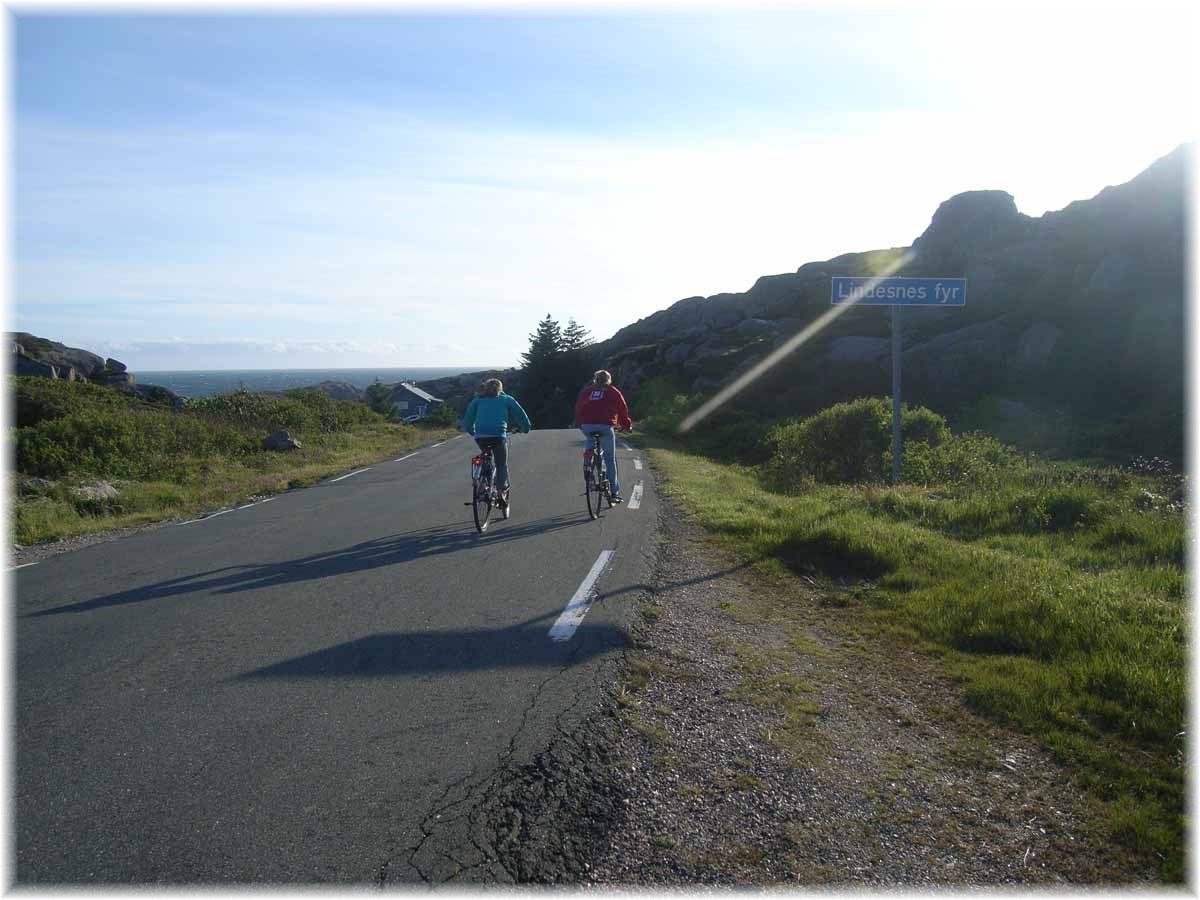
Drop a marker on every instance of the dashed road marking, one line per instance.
(637, 464)
(348, 474)
(410, 456)
(438, 444)
(577, 607)
(625, 446)
(23, 565)
(635, 498)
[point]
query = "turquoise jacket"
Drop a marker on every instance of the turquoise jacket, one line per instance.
(488, 416)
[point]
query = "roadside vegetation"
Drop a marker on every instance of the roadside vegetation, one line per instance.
(1055, 591)
(89, 458)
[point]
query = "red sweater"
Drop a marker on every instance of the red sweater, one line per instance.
(602, 405)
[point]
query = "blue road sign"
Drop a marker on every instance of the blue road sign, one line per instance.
(899, 291)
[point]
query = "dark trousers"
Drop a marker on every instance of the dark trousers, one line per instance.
(499, 448)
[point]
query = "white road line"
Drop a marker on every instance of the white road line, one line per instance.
(23, 566)
(410, 456)
(637, 464)
(438, 444)
(625, 446)
(456, 437)
(348, 474)
(635, 498)
(577, 608)
(209, 516)
(256, 503)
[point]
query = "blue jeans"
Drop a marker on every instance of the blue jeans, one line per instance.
(608, 449)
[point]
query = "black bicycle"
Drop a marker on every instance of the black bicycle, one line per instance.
(595, 478)
(485, 496)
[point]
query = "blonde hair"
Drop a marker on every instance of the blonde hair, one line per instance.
(492, 387)
(603, 376)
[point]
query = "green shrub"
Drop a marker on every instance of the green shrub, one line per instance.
(300, 412)
(849, 443)
(971, 458)
(442, 416)
(46, 399)
(117, 443)
(659, 406)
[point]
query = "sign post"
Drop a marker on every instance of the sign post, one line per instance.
(898, 292)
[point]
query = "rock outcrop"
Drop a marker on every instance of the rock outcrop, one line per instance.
(1081, 310)
(70, 363)
(37, 356)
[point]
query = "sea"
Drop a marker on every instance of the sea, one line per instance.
(224, 381)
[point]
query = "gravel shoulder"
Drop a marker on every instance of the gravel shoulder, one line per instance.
(763, 737)
(25, 555)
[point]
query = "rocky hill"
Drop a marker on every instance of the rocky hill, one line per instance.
(1072, 336)
(41, 357)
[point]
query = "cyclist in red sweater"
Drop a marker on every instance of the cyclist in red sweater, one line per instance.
(599, 408)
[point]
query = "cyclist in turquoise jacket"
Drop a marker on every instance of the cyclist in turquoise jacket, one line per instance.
(487, 419)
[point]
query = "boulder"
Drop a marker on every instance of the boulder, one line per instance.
(677, 354)
(113, 365)
(281, 441)
(853, 350)
(967, 223)
(34, 487)
(1116, 273)
(158, 394)
(753, 327)
(23, 365)
(960, 359)
(95, 490)
(1034, 347)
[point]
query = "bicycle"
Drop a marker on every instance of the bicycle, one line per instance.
(484, 493)
(596, 485)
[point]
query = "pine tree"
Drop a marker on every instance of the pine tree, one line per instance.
(548, 394)
(544, 344)
(379, 397)
(575, 336)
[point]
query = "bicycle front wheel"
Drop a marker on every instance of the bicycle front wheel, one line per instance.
(481, 506)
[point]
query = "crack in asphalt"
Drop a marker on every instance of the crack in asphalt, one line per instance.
(437, 815)
(468, 810)
(432, 816)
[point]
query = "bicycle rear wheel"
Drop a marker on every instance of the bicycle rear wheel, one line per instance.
(592, 487)
(481, 504)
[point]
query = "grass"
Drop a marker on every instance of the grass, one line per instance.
(166, 463)
(1055, 595)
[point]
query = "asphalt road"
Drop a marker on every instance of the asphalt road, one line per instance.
(316, 687)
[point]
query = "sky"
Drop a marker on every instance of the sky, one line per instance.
(204, 188)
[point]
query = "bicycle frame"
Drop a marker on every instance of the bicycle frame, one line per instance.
(483, 470)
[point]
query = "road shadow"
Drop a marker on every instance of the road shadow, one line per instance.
(656, 589)
(394, 550)
(455, 650)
